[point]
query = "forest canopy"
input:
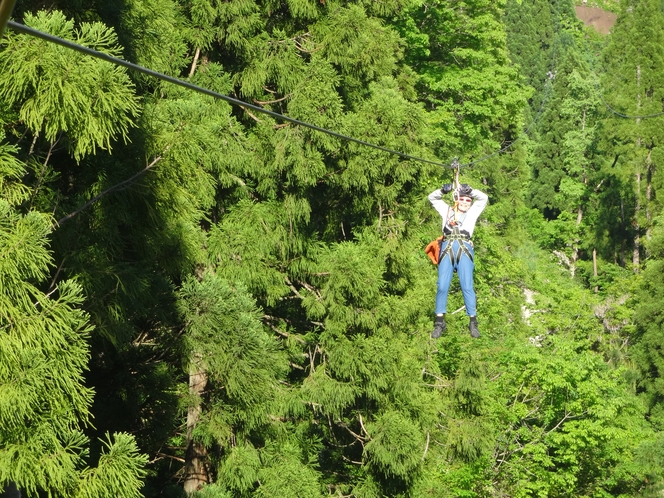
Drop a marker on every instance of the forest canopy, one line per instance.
(202, 300)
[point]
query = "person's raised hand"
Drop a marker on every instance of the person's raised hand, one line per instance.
(465, 190)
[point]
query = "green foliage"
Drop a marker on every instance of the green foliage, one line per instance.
(649, 320)
(227, 342)
(284, 474)
(224, 333)
(61, 91)
(239, 471)
(153, 32)
(395, 445)
(629, 85)
(119, 472)
(285, 267)
(44, 404)
(471, 90)
(531, 26)
(568, 404)
(12, 191)
(213, 491)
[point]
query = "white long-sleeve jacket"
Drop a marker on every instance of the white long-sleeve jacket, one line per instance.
(467, 222)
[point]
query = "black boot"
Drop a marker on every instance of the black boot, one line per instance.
(439, 327)
(474, 329)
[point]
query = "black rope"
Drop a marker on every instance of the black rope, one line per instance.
(626, 116)
(120, 62)
(598, 91)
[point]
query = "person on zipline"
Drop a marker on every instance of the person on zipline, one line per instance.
(456, 250)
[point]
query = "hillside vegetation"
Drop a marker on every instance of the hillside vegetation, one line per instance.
(200, 300)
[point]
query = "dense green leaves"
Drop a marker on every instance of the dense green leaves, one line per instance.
(44, 403)
(250, 300)
(61, 91)
(466, 79)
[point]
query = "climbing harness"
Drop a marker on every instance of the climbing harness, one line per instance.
(448, 250)
(436, 250)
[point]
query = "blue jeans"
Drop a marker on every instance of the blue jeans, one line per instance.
(464, 268)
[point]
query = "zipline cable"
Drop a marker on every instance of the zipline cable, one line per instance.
(626, 116)
(21, 28)
(606, 104)
(185, 84)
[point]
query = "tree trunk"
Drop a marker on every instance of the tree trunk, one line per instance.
(595, 266)
(636, 260)
(575, 248)
(622, 239)
(195, 468)
(649, 174)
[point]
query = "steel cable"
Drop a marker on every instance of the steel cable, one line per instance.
(185, 84)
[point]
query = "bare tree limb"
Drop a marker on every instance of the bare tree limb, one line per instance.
(315, 292)
(117, 186)
(292, 287)
(32, 145)
(362, 425)
(280, 332)
(57, 272)
(268, 102)
(356, 436)
(426, 448)
(250, 114)
(161, 456)
(457, 311)
(195, 62)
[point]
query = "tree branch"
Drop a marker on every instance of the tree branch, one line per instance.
(356, 436)
(111, 189)
(195, 61)
(57, 273)
(292, 287)
(250, 114)
(426, 448)
(362, 425)
(32, 145)
(315, 292)
(267, 102)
